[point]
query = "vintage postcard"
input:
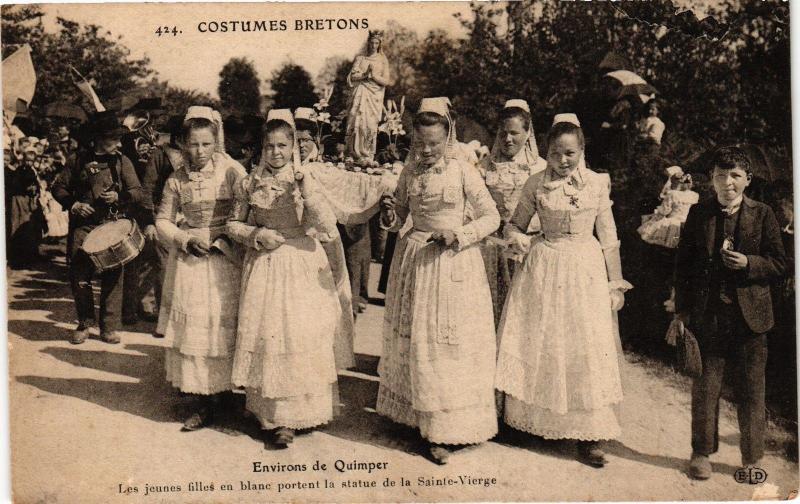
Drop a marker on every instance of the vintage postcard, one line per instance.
(526, 251)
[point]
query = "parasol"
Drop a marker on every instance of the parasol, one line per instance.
(65, 110)
(636, 90)
(626, 77)
(630, 84)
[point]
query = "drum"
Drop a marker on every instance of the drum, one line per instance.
(113, 244)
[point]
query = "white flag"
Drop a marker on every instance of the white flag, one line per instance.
(19, 79)
(86, 88)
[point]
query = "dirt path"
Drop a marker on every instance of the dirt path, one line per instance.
(93, 420)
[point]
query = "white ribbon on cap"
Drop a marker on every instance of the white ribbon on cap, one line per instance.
(202, 112)
(568, 118)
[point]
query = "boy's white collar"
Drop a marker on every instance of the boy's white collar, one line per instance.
(733, 206)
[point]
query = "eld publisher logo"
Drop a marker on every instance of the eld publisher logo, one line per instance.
(751, 475)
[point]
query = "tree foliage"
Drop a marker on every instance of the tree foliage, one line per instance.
(292, 87)
(91, 50)
(334, 73)
(239, 88)
(175, 100)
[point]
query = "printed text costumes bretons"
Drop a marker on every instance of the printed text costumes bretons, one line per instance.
(437, 365)
(289, 306)
(558, 360)
(199, 315)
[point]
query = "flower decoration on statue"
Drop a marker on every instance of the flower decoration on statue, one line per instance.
(392, 123)
(321, 107)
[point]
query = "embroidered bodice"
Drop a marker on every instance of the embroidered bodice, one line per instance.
(204, 197)
(505, 180)
(569, 208)
(436, 198)
(271, 199)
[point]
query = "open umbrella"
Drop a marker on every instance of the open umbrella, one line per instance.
(630, 84)
(636, 90)
(65, 110)
(626, 77)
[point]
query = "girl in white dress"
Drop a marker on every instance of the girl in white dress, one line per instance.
(437, 365)
(663, 227)
(514, 158)
(200, 314)
(558, 360)
(289, 307)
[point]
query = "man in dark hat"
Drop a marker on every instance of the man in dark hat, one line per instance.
(96, 184)
(140, 275)
(150, 271)
(243, 139)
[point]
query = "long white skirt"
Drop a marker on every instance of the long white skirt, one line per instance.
(287, 317)
(438, 361)
(559, 360)
(199, 319)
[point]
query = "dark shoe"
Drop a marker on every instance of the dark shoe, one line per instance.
(80, 334)
(158, 335)
(111, 337)
(700, 467)
(590, 453)
(198, 420)
(283, 437)
(440, 454)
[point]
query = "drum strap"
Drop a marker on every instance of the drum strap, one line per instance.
(115, 175)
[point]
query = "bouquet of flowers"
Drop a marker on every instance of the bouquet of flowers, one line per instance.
(323, 116)
(392, 123)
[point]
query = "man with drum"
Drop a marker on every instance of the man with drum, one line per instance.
(99, 185)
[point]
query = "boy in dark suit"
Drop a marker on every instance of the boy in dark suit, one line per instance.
(729, 253)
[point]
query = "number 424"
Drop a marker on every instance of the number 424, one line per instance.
(166, 30)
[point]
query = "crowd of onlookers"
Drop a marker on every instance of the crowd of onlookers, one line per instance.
(31, 165)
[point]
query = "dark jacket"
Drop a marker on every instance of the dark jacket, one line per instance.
(162, 163)
(757, 236)
(83, 180)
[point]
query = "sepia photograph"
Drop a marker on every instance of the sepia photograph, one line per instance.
(506, 251)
